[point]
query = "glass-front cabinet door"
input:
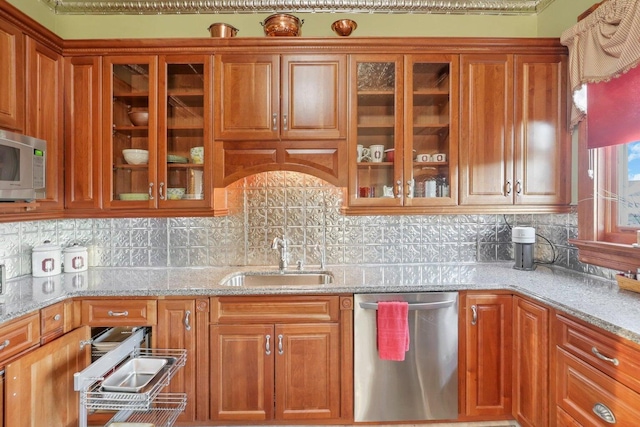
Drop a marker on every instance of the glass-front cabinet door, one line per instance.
(431, 130)
(184, 140)
(130, 131)
(375, 150)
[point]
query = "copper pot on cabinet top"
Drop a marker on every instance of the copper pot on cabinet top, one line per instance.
(282, 24)
(220, 29)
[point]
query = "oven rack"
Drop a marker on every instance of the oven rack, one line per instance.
(164, 412)
(94, 398)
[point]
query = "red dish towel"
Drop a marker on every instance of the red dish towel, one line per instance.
(393, 330)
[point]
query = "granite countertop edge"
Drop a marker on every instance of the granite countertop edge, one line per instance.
(595, 300)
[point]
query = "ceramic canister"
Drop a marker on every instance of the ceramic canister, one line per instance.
(75, 258)
(45, 260)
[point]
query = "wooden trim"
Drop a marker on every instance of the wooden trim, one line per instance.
(609, 255)
(589, 11)
(30, 27)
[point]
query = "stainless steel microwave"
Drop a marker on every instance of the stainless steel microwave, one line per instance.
(22, 167)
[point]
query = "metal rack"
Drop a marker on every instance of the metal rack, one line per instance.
(148, 405)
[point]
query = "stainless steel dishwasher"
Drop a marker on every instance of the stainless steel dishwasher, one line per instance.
(425, 385)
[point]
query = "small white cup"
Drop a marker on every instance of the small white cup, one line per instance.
(423, 158)
(439, 157)
(377, 153)
(364, 154)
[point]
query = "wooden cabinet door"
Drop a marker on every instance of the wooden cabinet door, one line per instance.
(530, 363)
(83, 138)
(488, 330)
(177, 328)
(247, 90)
(39, 386)
(12, 68)
(242, 372)
(486, 129)
(314, 97)
(45, 115)
(542, 140)
(307, 371)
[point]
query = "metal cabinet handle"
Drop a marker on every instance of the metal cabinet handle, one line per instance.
(5, 344)
(267, 347)
(399, 190)
(187, 320)
(280, 345)
(614, 361)
(160, 191)
(118, 313)
(285, 125)
(474, 315)
(604, 413)
(274, 120)
(508, 185)
(410, 184)
(151, 191)
(57, 317)
(518, 187)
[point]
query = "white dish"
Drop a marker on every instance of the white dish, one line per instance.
(111, 338)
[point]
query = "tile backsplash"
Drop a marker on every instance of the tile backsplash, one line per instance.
(306, 210)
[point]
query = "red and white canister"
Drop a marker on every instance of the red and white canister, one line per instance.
(75, 258)
(46, 260)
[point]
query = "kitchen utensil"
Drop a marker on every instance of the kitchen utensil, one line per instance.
(136, 157)
(175, 193)
(75, 258)
(45, 260)
(344, 27)
(139, 118)
(220, 29)
(134, 375)
(282, 24)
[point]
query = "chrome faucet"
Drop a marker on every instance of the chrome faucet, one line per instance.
(282, 244)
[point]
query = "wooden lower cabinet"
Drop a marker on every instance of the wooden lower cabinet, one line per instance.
(39, 385)
(281, 372)
(486, 334)
(181, 325)
(530, 363)
(294, 365)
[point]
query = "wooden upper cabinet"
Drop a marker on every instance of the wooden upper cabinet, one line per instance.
(45, 115)
(271, 97)
(12, 71)
(514, 146)
(83, 137)
(542, 140)
(486, 129)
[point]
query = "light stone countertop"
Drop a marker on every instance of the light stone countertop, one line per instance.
(595, 300)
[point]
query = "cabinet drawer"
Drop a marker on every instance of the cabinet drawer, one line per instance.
(52, 321)
(616, 358)
(275, 309)
(582, 390)
(19, 335)
(110, 312)
(564, 420)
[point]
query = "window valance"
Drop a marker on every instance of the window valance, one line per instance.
(603, 46)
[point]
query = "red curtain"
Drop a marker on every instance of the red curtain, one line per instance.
(613, 110)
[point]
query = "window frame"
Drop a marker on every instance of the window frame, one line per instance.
(599, 242)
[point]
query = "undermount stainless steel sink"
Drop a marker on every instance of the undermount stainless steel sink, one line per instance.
(277, 278)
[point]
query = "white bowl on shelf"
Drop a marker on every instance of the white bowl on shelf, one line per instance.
(136, 157)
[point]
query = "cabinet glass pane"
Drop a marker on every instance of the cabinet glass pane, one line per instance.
(430, 136)
(185, 131)
(130, 131)
(376, 128)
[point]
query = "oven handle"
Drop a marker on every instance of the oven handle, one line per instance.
(412, 306)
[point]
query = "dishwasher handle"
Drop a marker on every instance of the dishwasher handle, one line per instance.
(412, 306)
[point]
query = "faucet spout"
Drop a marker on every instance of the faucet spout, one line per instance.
(282, 244)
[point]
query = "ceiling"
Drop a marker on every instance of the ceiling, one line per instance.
(461, 7)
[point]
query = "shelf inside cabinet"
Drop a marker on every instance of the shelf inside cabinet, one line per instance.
(374, 164)
(431, 92)
(428, 164)
(131, 167)
(166, 409)
(130, 95)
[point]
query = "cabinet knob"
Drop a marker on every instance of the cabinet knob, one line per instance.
(518, 187)
(5, 344)
(187, 320)
(604, 413)
(280, 344)
(151, 191)
(160, 191)
(474, 315)
(274, 120)
(399, 189)
(112, 313)
(285, 124)
(508, 187)
(267, 346)
(410, 184)
(614, 361)
(57, 317)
